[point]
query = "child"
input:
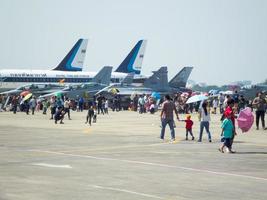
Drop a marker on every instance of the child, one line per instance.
(228, 130)
(188, 126)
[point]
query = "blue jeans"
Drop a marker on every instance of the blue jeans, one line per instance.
(206, 125)
(190, 132)
(164, 123)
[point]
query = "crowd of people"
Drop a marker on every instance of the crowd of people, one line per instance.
(58, 107)
(227, 105)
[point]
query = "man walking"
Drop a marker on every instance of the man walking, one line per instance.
(166, 117)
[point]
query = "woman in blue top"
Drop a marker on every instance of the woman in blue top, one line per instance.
(228, 131)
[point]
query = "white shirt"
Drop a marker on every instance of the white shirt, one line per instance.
(106, 104)
(215, 103)
(66, 104)
(204, 118)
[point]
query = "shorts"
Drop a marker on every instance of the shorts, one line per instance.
(227, 142)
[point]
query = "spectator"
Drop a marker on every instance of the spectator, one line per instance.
(260, 104)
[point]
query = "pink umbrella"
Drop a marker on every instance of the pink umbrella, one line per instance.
(245, 119)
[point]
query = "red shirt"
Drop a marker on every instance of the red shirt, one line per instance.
(188, 124)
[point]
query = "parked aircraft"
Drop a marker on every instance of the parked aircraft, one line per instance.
(180, 79)
(37, 89)
(158, 82)
(101, 80)
(63, 73)
(72, 62)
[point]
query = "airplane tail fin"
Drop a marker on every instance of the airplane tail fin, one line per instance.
(128, 80)
(74, 60)
(159, 80)
(103, 76)
(180, 79)
(133, 61)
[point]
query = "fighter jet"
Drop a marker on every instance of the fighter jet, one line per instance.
(100, 80)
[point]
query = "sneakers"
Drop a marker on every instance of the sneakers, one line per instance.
(186, 138)
(209, 140)
(193, 138)
(173, 140)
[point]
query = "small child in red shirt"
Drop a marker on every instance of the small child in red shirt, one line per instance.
(188, 126)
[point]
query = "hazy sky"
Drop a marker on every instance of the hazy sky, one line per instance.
(225, 40)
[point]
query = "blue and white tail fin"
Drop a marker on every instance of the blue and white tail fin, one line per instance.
(103, 76)
(133, 61)
(74, 60)
(159, 80)
(180, 79)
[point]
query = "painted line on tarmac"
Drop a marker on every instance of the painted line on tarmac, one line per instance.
(114, 147)
(126, 191)
(154, 164)
(51, 165)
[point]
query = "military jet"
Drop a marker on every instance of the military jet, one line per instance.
(100, 80)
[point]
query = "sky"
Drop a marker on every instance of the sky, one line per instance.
(224, 40)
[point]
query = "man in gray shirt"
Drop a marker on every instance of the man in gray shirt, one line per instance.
(260, 104)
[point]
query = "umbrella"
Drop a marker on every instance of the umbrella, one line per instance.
(155, 95)
(213, 92)
(196, 98)
(27, 97)
(113, 90)
(245, 119)
(205, 94)
(228, 92)
(58, 94)
(24, 93)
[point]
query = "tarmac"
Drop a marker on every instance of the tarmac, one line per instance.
(122, 158)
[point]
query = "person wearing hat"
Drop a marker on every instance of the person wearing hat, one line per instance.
(228, 132)
(232, 110)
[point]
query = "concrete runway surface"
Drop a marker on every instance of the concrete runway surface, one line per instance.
(122, 157)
